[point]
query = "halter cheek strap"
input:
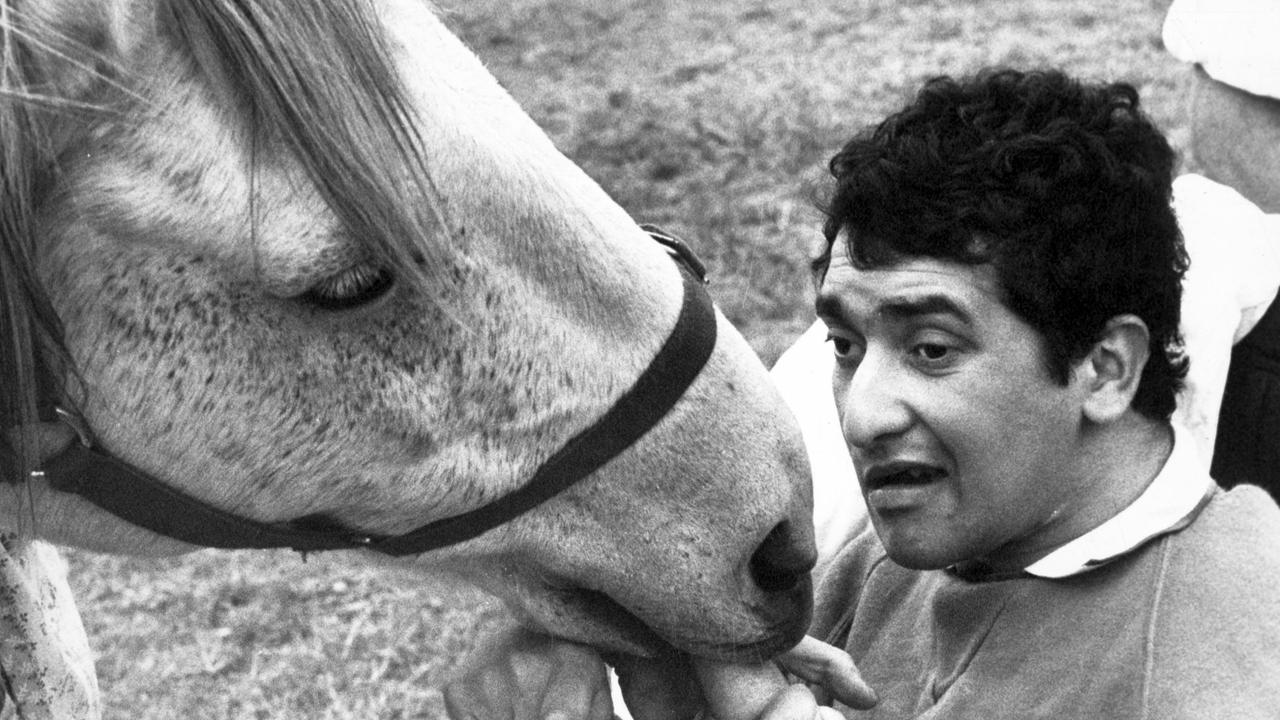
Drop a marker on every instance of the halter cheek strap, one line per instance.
(140, 499)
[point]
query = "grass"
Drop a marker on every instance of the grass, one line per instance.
(712, 118)
(266, 635)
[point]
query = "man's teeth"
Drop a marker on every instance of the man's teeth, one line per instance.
(915, 475)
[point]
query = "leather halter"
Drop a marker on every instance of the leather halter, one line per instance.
(142, 500)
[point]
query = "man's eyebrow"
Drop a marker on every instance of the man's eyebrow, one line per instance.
(908, 307)
(830, 305)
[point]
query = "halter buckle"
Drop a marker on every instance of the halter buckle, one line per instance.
(77, 423)
(679, 250)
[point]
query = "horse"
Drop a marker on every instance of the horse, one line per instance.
(304, 275)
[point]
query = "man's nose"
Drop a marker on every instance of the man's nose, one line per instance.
(871, 404)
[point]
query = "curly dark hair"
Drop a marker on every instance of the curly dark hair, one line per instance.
(1064, 187)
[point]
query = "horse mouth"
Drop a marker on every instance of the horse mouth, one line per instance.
(611, 626)
(599, 620)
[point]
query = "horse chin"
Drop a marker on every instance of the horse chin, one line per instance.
(593, 618)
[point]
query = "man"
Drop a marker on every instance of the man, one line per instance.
(1001, 295)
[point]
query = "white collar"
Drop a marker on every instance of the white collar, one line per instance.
(1170, 502)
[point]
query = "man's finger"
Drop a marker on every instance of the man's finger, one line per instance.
(521, 675)
(742, 691)
(661, 688)
(796, 703)
(578, 688)
(460, 701)
(602, 702)
(817, 662)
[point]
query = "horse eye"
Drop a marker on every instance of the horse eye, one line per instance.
(350, 288)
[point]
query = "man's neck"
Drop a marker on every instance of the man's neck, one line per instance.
(1117, 462)
(1122, 459)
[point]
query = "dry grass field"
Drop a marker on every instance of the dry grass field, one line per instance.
(710, 117)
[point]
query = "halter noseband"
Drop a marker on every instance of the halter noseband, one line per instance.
(142, 500)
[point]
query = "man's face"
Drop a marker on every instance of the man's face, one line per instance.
(965, 446)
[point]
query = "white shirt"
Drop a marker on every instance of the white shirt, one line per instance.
(803, 376)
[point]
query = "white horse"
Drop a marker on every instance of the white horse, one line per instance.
(303, 274)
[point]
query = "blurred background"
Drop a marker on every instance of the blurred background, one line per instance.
(712, 118)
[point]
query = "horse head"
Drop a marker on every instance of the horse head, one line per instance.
(309, 260)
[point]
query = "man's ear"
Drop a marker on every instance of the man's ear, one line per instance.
(1110, 373)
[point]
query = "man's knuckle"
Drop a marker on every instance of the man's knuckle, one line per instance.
(842, 664)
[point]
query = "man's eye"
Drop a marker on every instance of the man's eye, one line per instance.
(931, 351)
(846, 348)
(935, 355)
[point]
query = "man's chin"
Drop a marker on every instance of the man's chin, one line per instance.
(915, 557)
(912, 545)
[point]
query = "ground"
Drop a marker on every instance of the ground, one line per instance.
(712, 118)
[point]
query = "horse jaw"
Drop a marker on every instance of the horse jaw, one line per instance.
(627, 559)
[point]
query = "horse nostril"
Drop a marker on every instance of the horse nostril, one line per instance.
(781, 562)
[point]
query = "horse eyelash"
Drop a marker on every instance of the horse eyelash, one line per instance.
(349, 288)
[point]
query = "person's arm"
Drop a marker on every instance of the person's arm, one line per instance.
(521, 674)
(1234, 249)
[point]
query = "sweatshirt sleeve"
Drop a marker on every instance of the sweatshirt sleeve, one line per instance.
(1234, 250)
(1233, 40)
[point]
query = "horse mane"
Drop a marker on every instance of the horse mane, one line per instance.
(30, 331)
(313, 77)
(316, 77)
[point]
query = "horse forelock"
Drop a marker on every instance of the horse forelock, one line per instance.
(315, 78)
(30, 332)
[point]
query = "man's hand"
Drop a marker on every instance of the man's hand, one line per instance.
(830, 671)
(525, 676)
(684, 688)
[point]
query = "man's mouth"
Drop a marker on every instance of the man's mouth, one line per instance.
(901, 474)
